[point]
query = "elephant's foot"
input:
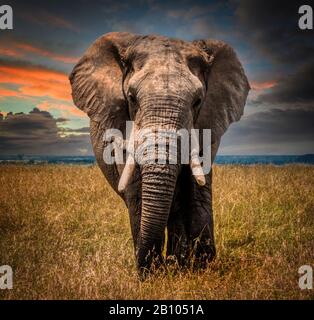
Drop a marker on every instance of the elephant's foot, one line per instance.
(149, 260)
(177, 247)
(201, 237)
(148, 263)
(203, 251)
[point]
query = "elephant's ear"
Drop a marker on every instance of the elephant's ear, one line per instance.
(227, 88)
(96, 82)
(96, 79)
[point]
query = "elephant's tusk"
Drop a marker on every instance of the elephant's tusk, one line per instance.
(129, 167)
(195, 164)
(197, 171)
(127, 174)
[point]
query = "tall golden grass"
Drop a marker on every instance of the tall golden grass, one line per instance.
(67, 236)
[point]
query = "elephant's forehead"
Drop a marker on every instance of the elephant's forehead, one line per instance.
(162, 46)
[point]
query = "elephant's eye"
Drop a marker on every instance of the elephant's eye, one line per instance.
(197, 103)
(132, 98)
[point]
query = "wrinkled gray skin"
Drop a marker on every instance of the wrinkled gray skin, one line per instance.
(168, 83)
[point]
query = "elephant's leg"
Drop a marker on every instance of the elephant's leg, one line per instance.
(133, 201)
(177, 245)
(201, 225)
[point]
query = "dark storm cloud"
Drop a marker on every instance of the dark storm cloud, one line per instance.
(37, 133)
(80, 130)
(31, 125)
(272, 131)
(21, 63)
(296, 89)
(271, 27)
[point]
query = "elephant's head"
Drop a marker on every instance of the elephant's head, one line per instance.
(159, 83)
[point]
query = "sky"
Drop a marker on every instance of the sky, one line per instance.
(38, 117)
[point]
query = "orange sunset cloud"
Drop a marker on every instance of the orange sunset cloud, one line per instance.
(263, 85)
(18, 50)
(9, 52)
(37, 82)
(66, 110)
(45, 53)
(7, 93)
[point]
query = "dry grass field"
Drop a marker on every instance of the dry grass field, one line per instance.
(67, 236)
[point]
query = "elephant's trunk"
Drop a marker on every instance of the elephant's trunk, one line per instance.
(158, 177)
(158, 184)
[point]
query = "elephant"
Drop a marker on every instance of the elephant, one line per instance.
(161, 82)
